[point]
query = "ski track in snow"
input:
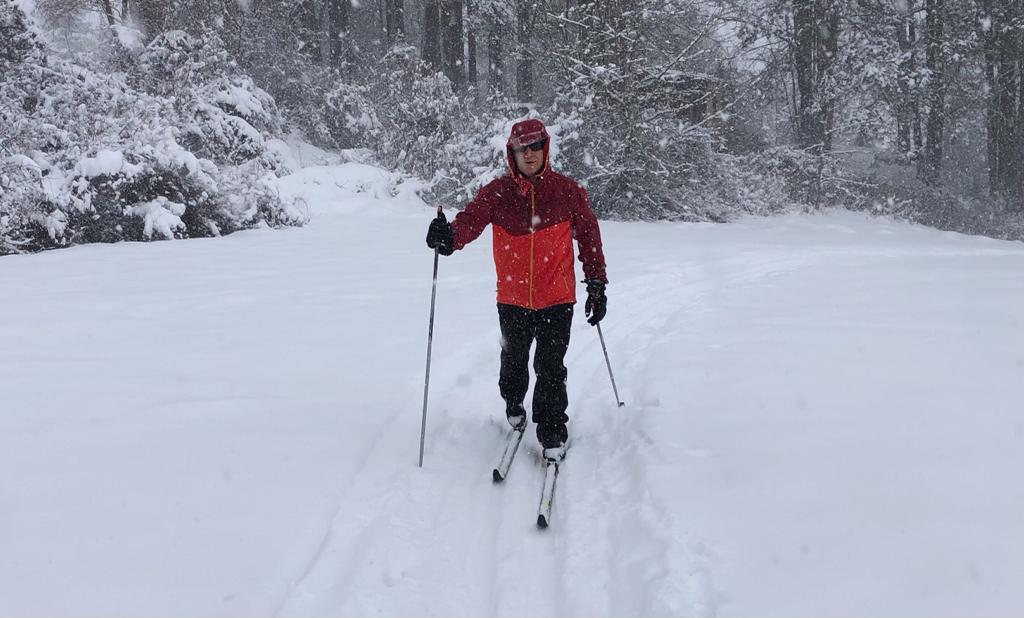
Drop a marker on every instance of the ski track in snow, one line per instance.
(638, 543)
(380, 529)
(655, 549)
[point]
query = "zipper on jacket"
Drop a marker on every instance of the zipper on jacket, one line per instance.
(533, 218)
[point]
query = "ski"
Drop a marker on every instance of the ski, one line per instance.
(511, 446)
(547, 495)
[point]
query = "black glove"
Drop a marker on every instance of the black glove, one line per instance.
(440, 235)
(597, 302)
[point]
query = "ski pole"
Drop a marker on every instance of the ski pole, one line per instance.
(609, 363)
(430, 341)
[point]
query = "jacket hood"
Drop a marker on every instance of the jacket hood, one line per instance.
(525, 133)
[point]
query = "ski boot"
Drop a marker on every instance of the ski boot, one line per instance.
(555, 454)
(516, 415)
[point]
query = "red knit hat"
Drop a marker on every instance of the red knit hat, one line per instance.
(527, 132)
(523, 134)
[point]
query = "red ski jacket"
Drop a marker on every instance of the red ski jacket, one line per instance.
(533, 222)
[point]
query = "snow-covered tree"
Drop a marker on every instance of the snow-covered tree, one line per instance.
(89, 156)
(637, 109)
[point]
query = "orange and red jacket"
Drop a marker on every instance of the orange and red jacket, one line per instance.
(533, 223)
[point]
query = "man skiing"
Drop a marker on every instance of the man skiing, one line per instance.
(534, 214)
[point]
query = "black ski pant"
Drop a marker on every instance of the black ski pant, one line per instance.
(550, 328)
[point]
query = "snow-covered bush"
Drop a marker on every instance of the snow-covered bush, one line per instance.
(175, 62)
(111, 198)
(22, 202)
(23, 206)
(239, 96)
(164, 191)
(474, 157)
(18, 41)
(192, 68)
(87, 157)
(410, 119)
(885, 182)
(335, 114)
(639, 163)
(755, 186)
(223, 114)
(214, 134)
(801, 171)
(642, 113)
(19, 47)
(422, 120)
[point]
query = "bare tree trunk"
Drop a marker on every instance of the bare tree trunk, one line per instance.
(524, 57)
(452, 43)
(908, 129)
(826, 55)
(432, 34)
(1005, 95)
(152, 16)
(471, 69)
(324, 31)
(992, 124)
(810, 128)
(395, 20)
(108, 10)
(1002, 52)
(1017, 191)
(338, 30)
(815, 49)
(333, 30)
(125, 6)
(915, 106)
(931, 164)
(307, 26)
(496, 59)
(903, 75)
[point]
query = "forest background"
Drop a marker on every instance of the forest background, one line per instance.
(141, 119)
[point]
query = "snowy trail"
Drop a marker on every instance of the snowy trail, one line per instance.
(821, 419)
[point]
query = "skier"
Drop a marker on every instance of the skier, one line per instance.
(534, 214)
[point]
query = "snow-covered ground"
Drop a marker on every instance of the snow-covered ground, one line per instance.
(823, 418)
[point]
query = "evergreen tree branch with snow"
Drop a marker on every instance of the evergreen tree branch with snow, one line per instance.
(174, 148)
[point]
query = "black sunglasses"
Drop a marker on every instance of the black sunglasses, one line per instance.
(536, 146)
